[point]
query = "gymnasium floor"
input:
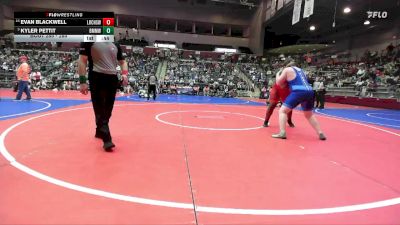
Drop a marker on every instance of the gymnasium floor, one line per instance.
(194, 160)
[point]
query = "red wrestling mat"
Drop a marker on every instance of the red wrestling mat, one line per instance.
(170, 157)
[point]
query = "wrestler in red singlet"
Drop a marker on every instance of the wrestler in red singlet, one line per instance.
(277, 94)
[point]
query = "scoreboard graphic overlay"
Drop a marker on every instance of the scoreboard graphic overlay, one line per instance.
(64, 26)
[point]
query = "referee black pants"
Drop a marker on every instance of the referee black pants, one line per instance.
(152, 89)
(317, 99)
(103, 88)
(320, 99)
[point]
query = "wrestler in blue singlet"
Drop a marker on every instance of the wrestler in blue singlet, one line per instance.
(300, 92)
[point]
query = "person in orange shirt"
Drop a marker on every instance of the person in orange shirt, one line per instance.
(23, 72)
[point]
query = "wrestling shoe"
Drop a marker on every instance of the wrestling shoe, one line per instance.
(266, 124)
(322, 137)
(98, 134)
(280, 135)
(291, 124)
(108, 146)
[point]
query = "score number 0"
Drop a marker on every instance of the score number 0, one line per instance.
(108, 21)
(108, 26)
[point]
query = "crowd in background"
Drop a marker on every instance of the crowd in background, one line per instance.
(140, 67)
(215, 77)
(50, 69)
(365, 77)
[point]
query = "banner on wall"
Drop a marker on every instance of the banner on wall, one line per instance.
(267, 14)
(296, 11)
(308, 8)
(280, 4)
(273, 7)
(269, 4)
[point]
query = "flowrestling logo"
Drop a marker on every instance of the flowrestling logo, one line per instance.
(377, 14)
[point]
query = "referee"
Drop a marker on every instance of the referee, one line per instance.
(152, 86)
(102, 58)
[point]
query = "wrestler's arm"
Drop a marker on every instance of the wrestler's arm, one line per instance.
(282, 78)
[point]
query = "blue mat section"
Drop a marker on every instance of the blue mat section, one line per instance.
(12, 109)
(191, 99)
(384, 117)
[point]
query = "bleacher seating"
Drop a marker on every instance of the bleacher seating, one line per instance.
(222, 73)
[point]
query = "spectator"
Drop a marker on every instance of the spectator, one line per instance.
(320, 93)
(23, 72)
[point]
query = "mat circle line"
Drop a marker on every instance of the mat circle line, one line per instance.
(48, 105)
(207, 128)
(354, 120)
(208, 209)
(371, 115)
